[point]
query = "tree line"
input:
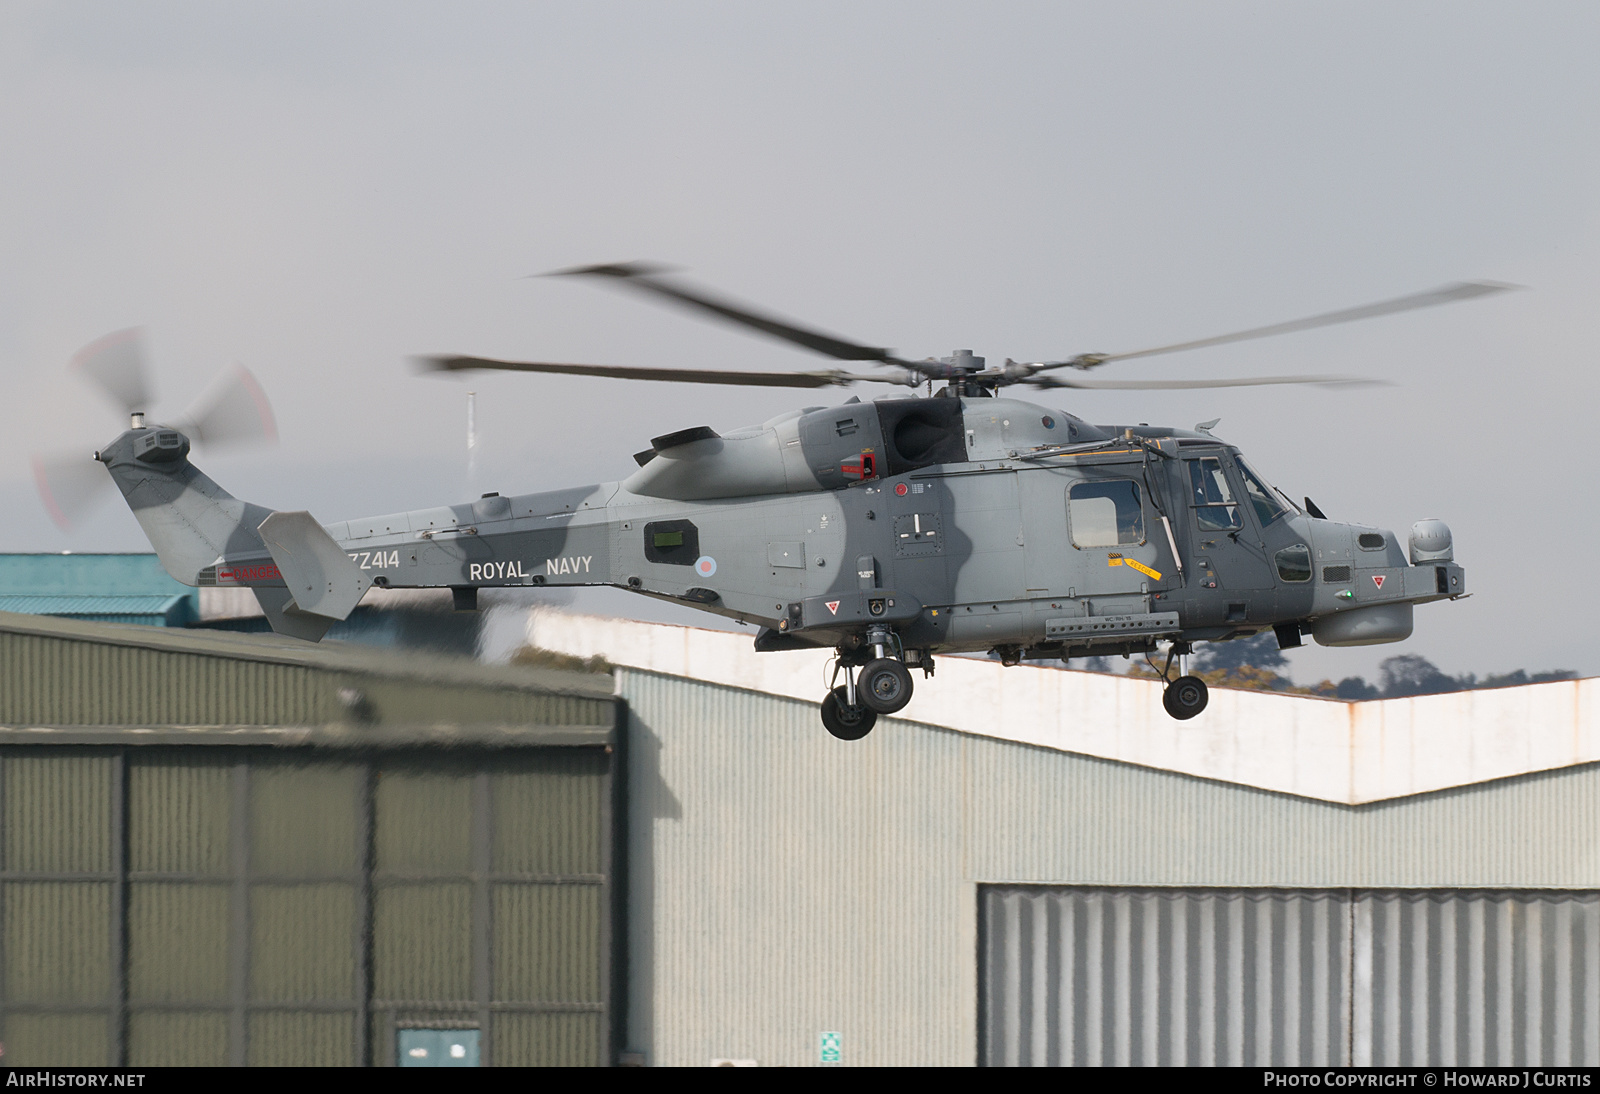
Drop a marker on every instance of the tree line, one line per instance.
(1257, 664)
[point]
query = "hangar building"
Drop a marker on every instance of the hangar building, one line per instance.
(218, 848)
(111, 588)
(224, 848)
(1038, 866)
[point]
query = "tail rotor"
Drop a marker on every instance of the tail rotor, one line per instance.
(233, 410)
(69, 485)
(116, 365)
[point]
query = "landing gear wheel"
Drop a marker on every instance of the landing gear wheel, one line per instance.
(845, 722)
(884, 686)
(1185, 697)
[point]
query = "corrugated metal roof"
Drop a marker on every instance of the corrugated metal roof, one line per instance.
(91, 605)
(64, 681)
(103, 587)
(275, 650)
(334, 735)
(79, 574)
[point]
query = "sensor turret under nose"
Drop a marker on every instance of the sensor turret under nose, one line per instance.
(1431, 542)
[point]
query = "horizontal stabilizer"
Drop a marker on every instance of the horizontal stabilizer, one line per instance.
(278, 606)
(321, 578)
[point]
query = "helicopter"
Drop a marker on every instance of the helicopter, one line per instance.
(892, 531)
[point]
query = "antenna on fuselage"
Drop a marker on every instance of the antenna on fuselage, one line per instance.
(472, 441)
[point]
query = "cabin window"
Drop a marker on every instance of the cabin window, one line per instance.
(1263, 498)
(1294, 563)
(1105, 514)
(1212, 497)
(675, 542)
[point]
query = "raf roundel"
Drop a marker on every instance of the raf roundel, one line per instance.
(705, 566)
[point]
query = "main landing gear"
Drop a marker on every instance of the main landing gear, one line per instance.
(881, 686)
(1187, 695)
(844, 718)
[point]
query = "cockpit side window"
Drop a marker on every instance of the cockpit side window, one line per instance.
(1105, 514)
(1263, 499)
(1211, 497)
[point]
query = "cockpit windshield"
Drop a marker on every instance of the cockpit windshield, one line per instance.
(1214, 510)
(1268, 503)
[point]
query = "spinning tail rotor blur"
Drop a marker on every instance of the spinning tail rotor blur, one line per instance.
(233, 410)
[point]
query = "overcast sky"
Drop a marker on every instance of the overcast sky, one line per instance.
(319, 190)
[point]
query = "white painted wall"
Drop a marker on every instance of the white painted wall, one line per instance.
(1314, 748)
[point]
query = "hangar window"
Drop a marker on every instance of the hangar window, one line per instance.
(1105, 514)
(1211, 496)
(676, 542)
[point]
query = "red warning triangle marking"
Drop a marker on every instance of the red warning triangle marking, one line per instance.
(1377, 579)
(833, 607)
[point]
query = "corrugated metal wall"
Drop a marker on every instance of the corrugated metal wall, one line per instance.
(516, 854)
(1289, 978)
(210, 905)
(1164, 976)
(1477, 978)
(766, 853)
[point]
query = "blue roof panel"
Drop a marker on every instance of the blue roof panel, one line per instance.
(98, 606)
(113, 588)
(80, 575)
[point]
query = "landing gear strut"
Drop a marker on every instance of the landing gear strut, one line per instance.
(882, 686)
(1187, 695)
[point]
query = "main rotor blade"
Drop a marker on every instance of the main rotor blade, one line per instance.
(1445, 294)
(644, 277)
(116, 363)
(825, 378)
(1181, 385)
(233, 410)
(69, 485)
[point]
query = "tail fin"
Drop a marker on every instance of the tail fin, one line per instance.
(189, 519)
(193, 523)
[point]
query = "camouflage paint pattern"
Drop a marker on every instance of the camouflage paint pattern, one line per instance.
(962, 524)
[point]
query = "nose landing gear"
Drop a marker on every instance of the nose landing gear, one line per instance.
(1187, 695)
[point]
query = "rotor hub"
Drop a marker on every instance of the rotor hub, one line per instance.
(963, 361)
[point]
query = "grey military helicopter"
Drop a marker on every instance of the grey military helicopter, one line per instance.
(891, 531)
